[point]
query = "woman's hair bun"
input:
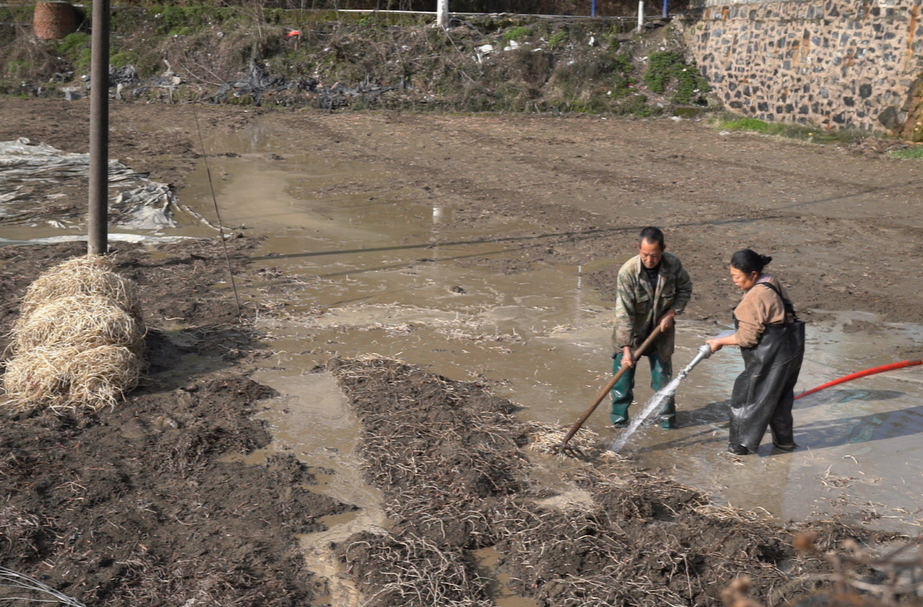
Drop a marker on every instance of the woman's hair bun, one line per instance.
(748, 260)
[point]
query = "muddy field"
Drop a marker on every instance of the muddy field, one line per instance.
(153, 504)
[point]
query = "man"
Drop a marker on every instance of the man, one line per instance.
(652, 288)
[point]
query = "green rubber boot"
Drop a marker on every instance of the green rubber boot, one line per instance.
(622, 394)
(661, 374)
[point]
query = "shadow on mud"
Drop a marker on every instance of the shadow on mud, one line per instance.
(813, 435)
(179, 358)
(862, 428)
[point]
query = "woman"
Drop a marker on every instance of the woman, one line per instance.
(771, 340)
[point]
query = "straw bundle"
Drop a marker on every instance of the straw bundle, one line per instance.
(77, 343)
(90, 275)
(69, 378)
(78, 321)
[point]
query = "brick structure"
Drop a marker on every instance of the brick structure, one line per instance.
(53, 20)
(834, 63)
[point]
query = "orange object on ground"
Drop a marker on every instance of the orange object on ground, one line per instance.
(857, 375)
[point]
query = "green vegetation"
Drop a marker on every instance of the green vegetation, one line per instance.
(613, 35)
(914, 153)
(666, 68)
(623, 78)
(563, 66)
(802, 132)
(750, 124)
(557, 40)
(15, 67)
(16, 13)
(76, 49)
(123, 58)
(375, 59)
(518, 33)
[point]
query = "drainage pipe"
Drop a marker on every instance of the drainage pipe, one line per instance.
(867, 372)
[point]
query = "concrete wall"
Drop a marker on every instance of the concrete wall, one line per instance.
(835, 63)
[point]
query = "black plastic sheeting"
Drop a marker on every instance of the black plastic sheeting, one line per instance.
(257, 83)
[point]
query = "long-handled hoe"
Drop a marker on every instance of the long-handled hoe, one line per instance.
(563, 448)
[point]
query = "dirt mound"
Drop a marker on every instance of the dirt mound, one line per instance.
(145, 504)
(449, 458)
(136, 505)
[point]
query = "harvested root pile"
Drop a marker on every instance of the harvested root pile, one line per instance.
(445, 454)
(77, 342)
(586, 444)
(449, 458)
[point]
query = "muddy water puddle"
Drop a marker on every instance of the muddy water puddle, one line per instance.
(383, 273)
(311, 405)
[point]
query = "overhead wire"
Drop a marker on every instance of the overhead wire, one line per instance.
(211, 188)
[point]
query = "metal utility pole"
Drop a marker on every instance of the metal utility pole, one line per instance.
(593, 9)
(98, 216)
(640, 15)
(442, 13)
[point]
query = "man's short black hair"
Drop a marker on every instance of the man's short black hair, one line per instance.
(652, 234)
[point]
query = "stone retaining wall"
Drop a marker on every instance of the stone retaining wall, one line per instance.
(835, 63)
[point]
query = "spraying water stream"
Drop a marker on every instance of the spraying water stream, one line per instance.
(657, 400)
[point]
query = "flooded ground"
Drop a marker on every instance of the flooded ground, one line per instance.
(477, 275)
(379, 276)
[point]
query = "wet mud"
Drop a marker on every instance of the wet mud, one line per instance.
(140, 504)
(449, 459)
(422, 300)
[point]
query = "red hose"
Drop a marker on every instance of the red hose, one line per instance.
(873, 371)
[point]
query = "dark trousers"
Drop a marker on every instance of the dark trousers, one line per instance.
(765, 391)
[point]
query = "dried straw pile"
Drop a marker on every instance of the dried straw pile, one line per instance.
(91, 275)
(78, 340)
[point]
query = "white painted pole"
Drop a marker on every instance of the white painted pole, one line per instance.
(442, 13)
(640, 15)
